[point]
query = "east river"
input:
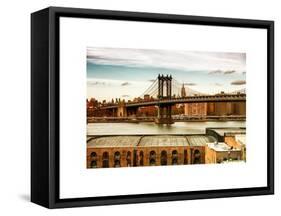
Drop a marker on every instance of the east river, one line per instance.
(152, 128)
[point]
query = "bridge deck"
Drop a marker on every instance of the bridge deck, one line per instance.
(190, 99)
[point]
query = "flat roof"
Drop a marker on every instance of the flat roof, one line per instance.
(199, 140)
(220, 146)
(114, 141)
(149, 140)
(163, 140)
(241, 138)
(222, 131)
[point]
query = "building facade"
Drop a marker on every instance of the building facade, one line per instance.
(159, 150)
(215, 109)
(195, 109)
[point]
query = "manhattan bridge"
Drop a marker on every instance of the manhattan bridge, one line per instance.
(165, 92)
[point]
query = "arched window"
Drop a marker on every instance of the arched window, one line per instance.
(93, 155)
(128, 158)
(105, 160)
(185, 156)
(174, 157)
(197, 157)
(152, 158)
(93, 160)
(141, 158)
(163, 158)
(117, 157)
(93, 164)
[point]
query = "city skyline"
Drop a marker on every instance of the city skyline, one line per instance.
(128, 72)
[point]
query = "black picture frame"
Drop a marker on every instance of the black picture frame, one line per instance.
(45, 106)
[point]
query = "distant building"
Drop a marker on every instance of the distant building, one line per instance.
(219, 152)
(146, 97)
(231, 144)
(195, 109)
(183, 92)
(147, 111)
(92, 104)
(215, 109)
(222, 134)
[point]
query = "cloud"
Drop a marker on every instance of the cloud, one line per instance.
(125, 84)
(243, 91)
(225, 72)
(190, 84)
(238, 82)
(95, 83)
(229, 72)
(151, 80)
(218, 84)
(215, 72)
(125, 95)
(168, 59)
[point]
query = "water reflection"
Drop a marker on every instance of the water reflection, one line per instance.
(152, 128)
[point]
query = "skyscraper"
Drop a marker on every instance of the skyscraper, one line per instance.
(183, 92)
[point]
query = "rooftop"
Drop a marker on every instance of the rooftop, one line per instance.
(114, 141)
(220, 146)
(199, 140)
(149, 140)
(223, 131)
(241, 138)
(163, 140)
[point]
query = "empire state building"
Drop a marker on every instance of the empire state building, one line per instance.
(183, 92)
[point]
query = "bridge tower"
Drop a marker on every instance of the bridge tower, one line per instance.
(164, 93)
(121, 109)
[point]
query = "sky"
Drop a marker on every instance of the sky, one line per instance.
(126, 73)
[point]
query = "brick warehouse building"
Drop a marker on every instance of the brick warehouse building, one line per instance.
(156, 150)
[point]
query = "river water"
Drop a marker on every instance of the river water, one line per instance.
(152, 128)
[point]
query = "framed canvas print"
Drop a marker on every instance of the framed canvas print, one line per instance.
(131, 107)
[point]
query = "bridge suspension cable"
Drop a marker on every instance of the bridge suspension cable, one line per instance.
(150, 89)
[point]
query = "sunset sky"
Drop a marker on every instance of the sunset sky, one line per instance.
(127, 73)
